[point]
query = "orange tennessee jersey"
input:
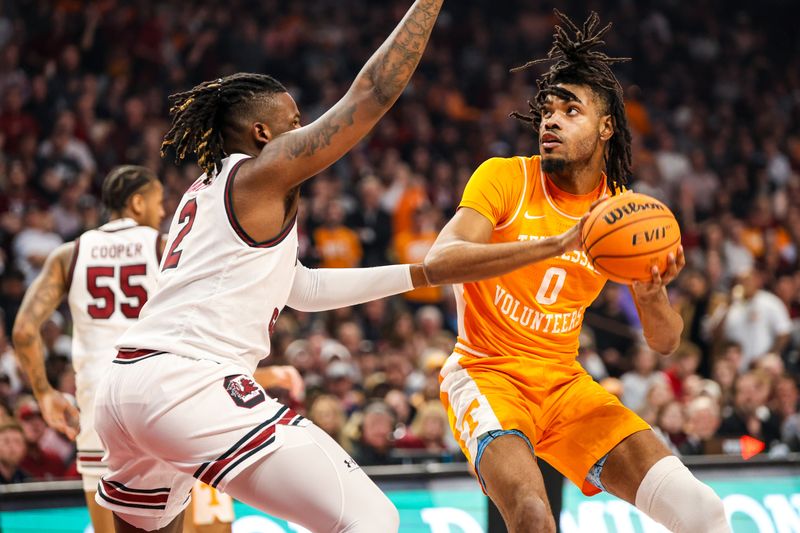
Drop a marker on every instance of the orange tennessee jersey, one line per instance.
(535, 311)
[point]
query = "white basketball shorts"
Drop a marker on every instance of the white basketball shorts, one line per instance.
(166, 420)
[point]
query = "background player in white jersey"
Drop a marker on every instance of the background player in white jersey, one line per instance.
(106, 276)
(180, 401)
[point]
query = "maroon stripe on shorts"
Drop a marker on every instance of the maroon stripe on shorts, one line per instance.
(216, 467)
(128, 497)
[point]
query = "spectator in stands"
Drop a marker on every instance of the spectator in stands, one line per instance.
(700, 184)
(786, 405)
(40, 461)
(432, 362)
(328, 414)
(340, 382)
(588, 357)
(724, 374)
(373, 223)
(756, 319)
(350, 336)
(68, 155)
(403, 410)
(638, 381)
(684, 363)
(33, 244)
(12, 452)
(670, 424)
(412, 245)
(337, 245)
(14, 121)
(702, 422)
(614, 334)
(696, 300)
(375, 443)
(12, 289)
(659, 395)
(430, 426)
(751, 416)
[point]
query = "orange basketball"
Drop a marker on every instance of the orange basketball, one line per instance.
(626, 235)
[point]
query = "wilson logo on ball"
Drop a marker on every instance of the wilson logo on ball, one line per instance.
(656, 234)
(627, 251)
(629, 209)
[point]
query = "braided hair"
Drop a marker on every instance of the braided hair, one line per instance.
(202, 114)
(575, 61)
(122, 183)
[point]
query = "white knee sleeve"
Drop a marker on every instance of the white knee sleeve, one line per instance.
(673, 497)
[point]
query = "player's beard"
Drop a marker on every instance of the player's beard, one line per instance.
(554, 165)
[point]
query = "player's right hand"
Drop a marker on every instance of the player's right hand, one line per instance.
(571, 239)
(59, 413)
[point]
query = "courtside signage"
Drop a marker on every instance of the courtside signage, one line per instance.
(766, 504)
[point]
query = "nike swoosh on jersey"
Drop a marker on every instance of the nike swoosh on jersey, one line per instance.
(530, 217)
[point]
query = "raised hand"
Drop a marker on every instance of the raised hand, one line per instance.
(647, 291)
(572, 237)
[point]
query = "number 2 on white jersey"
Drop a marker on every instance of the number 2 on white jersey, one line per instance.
(549, 287)
(187, 218)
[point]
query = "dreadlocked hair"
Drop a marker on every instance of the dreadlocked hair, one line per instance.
(201, 115)
(122, 183)
(575, 61)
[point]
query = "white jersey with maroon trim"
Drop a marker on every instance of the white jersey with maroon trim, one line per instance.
(114, 269)
(220, 291)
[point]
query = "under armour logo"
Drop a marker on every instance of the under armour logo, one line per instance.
(349, 463)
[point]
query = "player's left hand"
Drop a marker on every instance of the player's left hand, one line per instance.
(645, 291)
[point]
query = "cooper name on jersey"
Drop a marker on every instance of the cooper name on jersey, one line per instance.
(112, 251)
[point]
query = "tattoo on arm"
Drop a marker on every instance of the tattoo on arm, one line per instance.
(392, 66)
(41, 299)
(321, 133)
(377, 86)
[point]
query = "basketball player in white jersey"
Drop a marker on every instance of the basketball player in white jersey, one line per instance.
(180, 403)
(106, 276)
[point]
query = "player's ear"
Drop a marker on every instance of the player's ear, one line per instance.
(136, 204)
(262, 133)
(606, 128)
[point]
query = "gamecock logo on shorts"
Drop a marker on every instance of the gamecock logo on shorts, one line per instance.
(244, 391)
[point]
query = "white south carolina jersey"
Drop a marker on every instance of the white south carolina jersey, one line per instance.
(114, 270)
(220, 292)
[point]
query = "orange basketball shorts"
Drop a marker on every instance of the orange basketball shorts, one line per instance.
(568, 420)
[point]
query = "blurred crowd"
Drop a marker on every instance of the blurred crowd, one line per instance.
(713, 98)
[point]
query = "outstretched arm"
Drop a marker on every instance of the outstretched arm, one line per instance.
(462, 252)
(295, 156)
(324, 289)
(41, 299)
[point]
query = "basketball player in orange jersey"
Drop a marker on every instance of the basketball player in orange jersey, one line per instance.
(512, 387)
(106, 276)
